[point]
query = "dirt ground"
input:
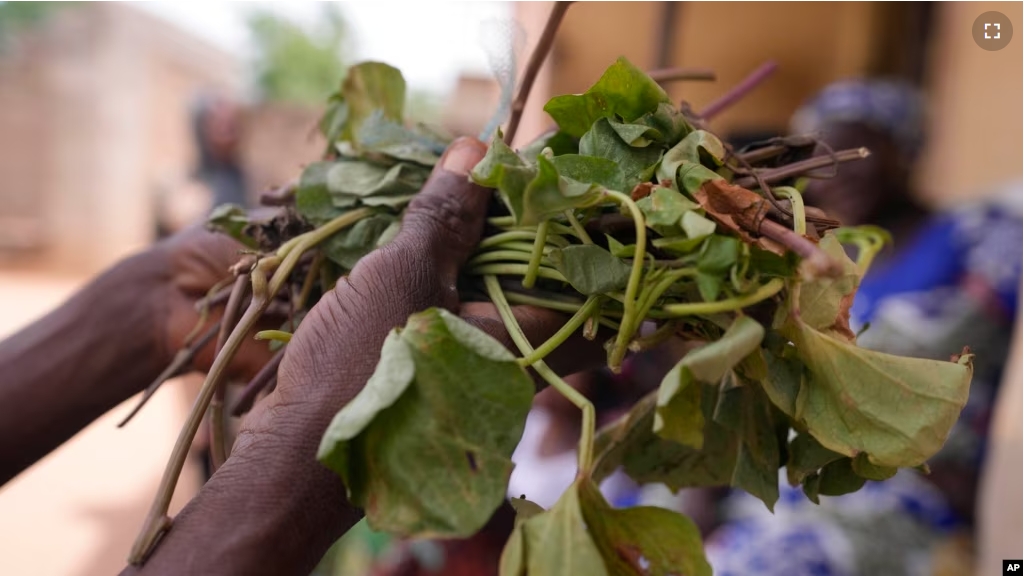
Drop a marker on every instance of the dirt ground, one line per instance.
(76, 512)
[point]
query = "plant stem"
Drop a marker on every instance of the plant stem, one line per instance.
(540, 53)
(728, 305)
(586, 444)
(503, 237)
(563, 334)
(562, 306)
(517, 270)
(629, 317)
(797, 202)
(307, 284)
(276, 335)
(157, 522)
(663, 332)
(538, 253)
(665, 75)
(503, 256)
(218, 427)
(739, 91)
(815, 259)
(581, 233)
(181, 361)
(772, 175)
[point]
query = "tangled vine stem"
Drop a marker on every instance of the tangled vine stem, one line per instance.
(586, 445)
(219, 448)
(157, 522)
(540, 53)
(740, 90)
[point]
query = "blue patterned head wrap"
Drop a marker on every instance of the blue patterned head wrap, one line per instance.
(894, 108)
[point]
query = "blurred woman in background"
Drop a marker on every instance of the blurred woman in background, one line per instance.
(952, 280)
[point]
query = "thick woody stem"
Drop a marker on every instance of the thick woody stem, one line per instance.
(540, 53)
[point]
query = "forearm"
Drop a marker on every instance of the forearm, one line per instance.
(63, 371)
(272, 509)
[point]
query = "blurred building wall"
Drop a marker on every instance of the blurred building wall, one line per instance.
(976, 135)
(976, 95)
(94, 117)
(278, 140)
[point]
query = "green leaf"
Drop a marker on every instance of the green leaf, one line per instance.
(549, 194)
(692, 176)
(382, 136)
(677, 418)
(637, 164)
(348, 246)
(623, 90)
(525, 509)
(513, 555)
(709, 286)
(559, 142)
(698, 147)
(642, 540)
(590, 269)
(371, 87)
(620, 250)
(232, 220)
(696, 226)
(590, 170)
(635, 135)
(680, 245)
(682, 164)
(669, 122)
(557, 542)
(646, 457)
(807, 456)
(312, 199)
(743, 409)
(720, 253)
(838, 478)
(865, 469)
(364, 179)
(664, 209)
(499, 156)
(425, 447)
(332, 123)
(897, 410)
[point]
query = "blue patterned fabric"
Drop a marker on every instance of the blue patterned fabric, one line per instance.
(957, 283)
(893, 107)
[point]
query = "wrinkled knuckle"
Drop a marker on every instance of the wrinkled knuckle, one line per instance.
(437, 213)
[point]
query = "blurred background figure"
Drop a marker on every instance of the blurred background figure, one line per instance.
(218, 177)
(952, 278)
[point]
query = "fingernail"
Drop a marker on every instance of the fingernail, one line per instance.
(463, 155)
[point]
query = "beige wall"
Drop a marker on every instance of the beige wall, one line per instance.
(976, 95)
(976, 100)
(96, 113)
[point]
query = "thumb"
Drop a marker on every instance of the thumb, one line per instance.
(443, 223)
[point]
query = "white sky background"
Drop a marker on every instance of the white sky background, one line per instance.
(430, 42)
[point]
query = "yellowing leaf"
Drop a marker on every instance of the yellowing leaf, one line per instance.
(557, 542)
(897, 410)
(371, 87)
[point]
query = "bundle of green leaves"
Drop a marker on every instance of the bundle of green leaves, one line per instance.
(629, 218)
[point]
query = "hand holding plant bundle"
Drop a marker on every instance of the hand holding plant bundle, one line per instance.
(638, 224)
